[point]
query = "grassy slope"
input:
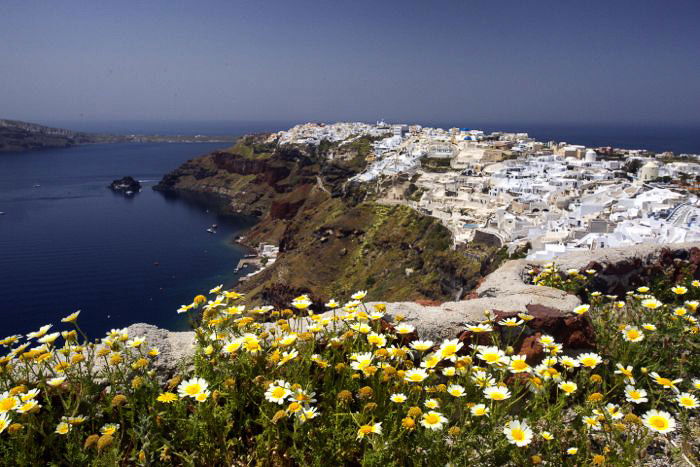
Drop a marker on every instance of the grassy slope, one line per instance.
(334, 250)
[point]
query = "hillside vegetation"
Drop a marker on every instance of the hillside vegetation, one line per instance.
(333, 237)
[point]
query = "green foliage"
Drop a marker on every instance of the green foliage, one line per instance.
(360, 149)
(572, 281)
(431, 164)
(632, 166)
(252, 147)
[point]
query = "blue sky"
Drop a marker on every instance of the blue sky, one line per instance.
(491, 61)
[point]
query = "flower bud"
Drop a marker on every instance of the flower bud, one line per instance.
(104, 441)
(15, 428)
(90, 441)
(118, 400)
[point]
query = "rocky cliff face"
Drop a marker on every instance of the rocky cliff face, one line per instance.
(246, 179)
(333, 238)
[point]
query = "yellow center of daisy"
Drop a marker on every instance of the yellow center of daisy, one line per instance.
(660, 423)
(193, 389)
(30, 405)
(8, 404)
(664, 381)
(519, 365)
(491, 357)
(167, 397)
(449, 350)
(518, 434)
(366, 429)
(431, 419)
(432, 362)
(278, 392)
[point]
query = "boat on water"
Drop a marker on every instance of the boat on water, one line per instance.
(211, 231)
(2, 213)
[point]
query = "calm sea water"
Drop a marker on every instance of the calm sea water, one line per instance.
(72, 244)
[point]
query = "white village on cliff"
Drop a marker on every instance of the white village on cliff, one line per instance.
(516, 191)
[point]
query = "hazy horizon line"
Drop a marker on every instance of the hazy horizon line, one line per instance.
(295, 121)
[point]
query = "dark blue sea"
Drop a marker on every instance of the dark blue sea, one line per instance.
(70, 243)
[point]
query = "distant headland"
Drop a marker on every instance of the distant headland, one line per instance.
(17, 136)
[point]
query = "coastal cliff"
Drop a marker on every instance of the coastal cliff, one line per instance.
(23, 136)
(18, 136)
(333, 238)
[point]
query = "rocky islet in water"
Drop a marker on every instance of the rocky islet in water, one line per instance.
(128, 186)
